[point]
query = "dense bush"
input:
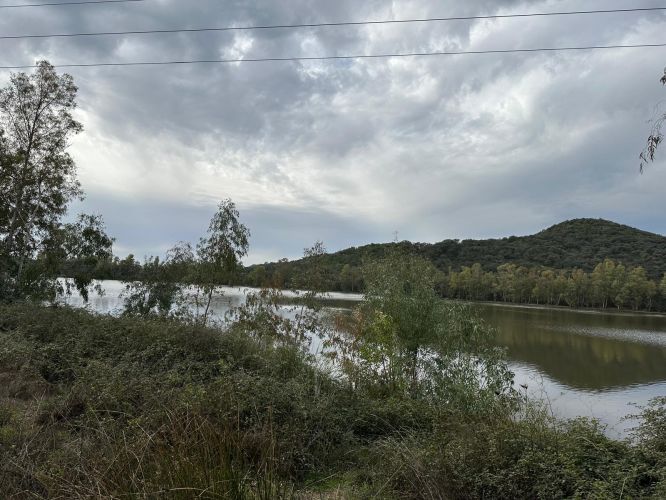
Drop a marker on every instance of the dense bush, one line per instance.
(99, 406)
(114, 406)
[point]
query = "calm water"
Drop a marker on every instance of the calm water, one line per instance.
(583, 363)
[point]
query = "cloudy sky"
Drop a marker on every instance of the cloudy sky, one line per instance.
(350, 151)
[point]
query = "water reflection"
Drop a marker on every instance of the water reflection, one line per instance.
(586, 351)
(613, 408)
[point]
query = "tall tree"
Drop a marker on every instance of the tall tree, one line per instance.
(639, 290)
(602, 282)
(37, 175)
(220, 252)
(578, 289)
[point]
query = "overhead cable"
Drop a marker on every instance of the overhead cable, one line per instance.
(320, 25)
(65, 4)
(343, 57)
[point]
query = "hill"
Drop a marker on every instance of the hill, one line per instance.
(578, 243)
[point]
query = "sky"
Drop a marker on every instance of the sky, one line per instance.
(350, 152)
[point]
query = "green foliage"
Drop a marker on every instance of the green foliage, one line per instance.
(112, 407)
(554, 267)
(86, 243)
(655, 138)
(96, 406)
(402, 288)
(403, 340)
(609, 284)
(219, 255)
(350, 278)
(575, 244)
(397, 320)
(160, 290)
(310, 287)
(577, 292)
(268, 316)
(188, 278)
(496, 457)
(259, 317)
(38, 181)
(638, 289)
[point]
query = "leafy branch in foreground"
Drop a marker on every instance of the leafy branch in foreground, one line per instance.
(655, 138)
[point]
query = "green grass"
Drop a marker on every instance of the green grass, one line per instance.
(94, 406)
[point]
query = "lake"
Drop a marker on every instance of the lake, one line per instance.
(584, 363)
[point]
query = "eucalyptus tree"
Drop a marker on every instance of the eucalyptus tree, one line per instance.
(401, 290)
(399, 317)
(602, 282)
(474, 283)
(219, 254)
(38, 181)
(506, 281)
(191, 276)
(577, 293)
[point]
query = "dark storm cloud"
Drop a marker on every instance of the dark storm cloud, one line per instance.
(348, 151)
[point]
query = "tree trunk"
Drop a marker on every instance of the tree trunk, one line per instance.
(210, 298)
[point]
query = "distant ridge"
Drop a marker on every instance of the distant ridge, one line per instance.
(576, 243)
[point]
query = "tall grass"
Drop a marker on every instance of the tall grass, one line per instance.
(93, 406)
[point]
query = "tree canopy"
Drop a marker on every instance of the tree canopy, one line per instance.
(37, 182)
(575, 244)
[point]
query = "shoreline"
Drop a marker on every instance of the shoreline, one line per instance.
(356, 297)
(584, 310)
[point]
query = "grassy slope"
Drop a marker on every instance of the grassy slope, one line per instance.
(100, 406)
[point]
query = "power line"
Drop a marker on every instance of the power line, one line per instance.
(60, 4)
(345, 57)
(321, 25)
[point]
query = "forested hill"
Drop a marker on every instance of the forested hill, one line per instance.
(578, 243)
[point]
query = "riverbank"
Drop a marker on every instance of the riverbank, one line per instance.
(102, 406)
(590, 365)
